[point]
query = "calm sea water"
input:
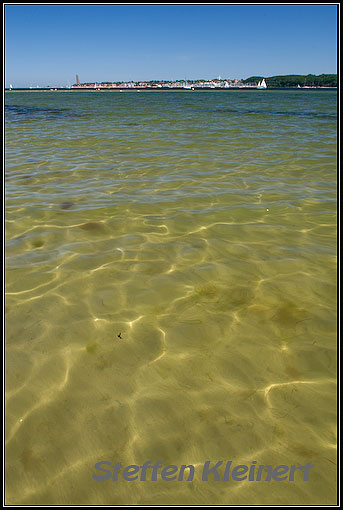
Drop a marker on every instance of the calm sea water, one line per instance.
(171, 293)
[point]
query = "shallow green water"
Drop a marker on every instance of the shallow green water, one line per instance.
(200, 227)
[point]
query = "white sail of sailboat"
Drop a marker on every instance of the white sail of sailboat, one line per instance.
(262, 84)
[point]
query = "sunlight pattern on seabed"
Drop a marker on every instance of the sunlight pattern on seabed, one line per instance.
(170, 292)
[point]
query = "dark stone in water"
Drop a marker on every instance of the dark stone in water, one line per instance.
(289, 314)
(37, 243)
(67, 205)
(92, 226)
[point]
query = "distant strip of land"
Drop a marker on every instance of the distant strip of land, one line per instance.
(253, 82)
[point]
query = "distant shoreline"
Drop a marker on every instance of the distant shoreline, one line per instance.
(155, 89)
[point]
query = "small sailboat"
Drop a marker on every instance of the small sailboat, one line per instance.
(262, 84)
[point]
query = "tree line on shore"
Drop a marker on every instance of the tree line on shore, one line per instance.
(293, 80)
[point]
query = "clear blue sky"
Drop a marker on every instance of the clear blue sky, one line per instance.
(49, 44)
